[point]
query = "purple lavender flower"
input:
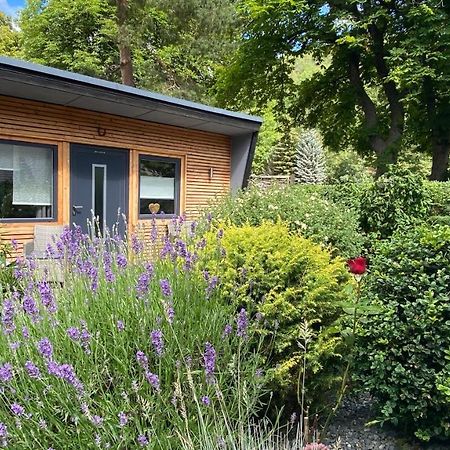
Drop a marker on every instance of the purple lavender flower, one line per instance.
(142, 359)
(6, 373)
(201, 244)
(122, 261)
(136, 244)
(47, 297)
(169, 311)
(206, 400)
(165, 287)
(107, 267)
(242, 323)
(15, 244)
(154, 231)
(53, 368)
(97, 420)
(258, 373)
(194, 225)
(17, 409)
(123, 419)
(143, 284)
(67, 373)
(157, 341)
(8, 316)
(209, 361)
(29, 306)
(25, 333)
(120, 325)
(32, 370)
(220, 234)
(153, 379)
(73, 333)
(14, 345)
(227, 330)
(212, 284)
(3, 435)
(45, 348)
(85, 337)
(167, 249)
(142, 440)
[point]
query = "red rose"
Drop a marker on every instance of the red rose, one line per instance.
(357, 266)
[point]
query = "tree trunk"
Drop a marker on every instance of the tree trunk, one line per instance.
(386, 150)
(441, 153)
(126, 61)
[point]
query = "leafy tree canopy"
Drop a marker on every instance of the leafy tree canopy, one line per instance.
(175, 45)
(9, 37)
(380, 63)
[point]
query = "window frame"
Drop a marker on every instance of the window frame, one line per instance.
(177, 187)
(54, 217)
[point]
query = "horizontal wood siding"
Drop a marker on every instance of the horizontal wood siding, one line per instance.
(199, 152)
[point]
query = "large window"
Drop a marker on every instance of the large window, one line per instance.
(27, 179)
(159, 186)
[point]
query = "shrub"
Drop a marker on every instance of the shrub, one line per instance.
(438, 194)
(402, 350)
(396, 198)
(125, 352)
(285, 279)
(303, 208)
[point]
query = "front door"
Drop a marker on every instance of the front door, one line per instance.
(98, 186)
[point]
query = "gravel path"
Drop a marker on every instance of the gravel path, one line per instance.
(349, 426)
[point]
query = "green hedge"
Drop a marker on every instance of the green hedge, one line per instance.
(402, 350)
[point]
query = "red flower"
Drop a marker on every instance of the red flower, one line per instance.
(357, 266)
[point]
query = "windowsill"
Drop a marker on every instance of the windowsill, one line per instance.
(157, 216)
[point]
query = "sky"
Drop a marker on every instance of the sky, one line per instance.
(11, 7)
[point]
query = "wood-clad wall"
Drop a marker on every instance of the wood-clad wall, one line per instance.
(199, 152)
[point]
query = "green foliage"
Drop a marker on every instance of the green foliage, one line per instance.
(268, 137)
(396, 198)
(176, 45)
(310, 161)
(288, 280)
(74, 35)
(303, 208)
(9, 37)
(402, 350)
(438, 195)
(346, 167)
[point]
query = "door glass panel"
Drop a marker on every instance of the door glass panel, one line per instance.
(99, 195)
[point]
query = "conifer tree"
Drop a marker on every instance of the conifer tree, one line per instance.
(310, 160)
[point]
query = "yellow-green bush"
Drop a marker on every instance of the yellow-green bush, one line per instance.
(287, 279)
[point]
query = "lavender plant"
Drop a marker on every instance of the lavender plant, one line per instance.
(125, 352)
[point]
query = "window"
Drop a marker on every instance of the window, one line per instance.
(27, 179)
(159, 186)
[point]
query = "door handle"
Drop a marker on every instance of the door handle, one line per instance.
(76, 209)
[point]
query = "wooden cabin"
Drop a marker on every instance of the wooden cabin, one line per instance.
(72, 145)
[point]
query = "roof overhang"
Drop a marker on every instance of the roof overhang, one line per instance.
(36, 82)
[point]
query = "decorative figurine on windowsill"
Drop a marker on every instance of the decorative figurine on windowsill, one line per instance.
(154, 208)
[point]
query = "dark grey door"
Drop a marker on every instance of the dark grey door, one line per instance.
(98, 186)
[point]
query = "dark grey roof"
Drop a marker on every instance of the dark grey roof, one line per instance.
(36, 82)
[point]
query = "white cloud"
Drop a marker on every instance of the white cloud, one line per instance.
(8, 9)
